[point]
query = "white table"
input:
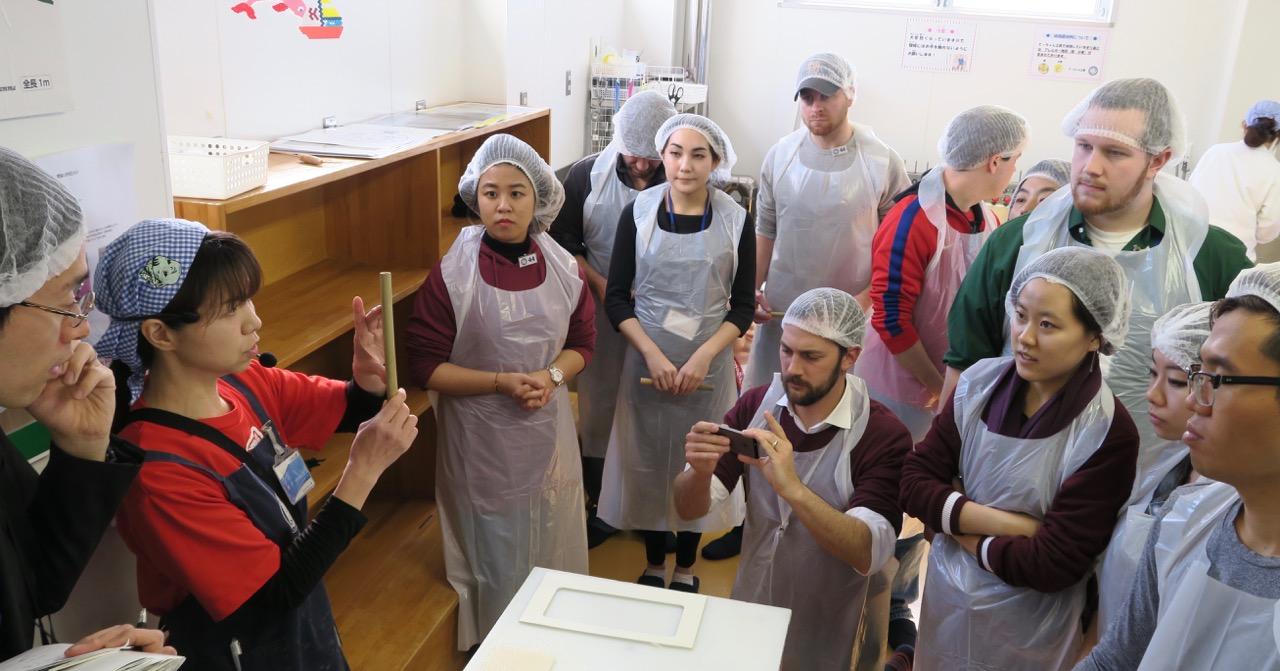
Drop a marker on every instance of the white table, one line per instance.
(733, 635)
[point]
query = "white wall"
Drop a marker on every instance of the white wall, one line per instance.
(757, 46)
(546, 38)
(226, 75)
(1251, 75)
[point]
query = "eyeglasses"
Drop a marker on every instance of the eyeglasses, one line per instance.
(84, 305)
(1204, 386)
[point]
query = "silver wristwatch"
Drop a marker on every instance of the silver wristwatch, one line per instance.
(557, 375)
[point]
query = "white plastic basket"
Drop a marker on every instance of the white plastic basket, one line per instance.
(216, 168)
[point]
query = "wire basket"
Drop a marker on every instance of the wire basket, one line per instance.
(216, 168)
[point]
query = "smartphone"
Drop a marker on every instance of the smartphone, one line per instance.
(739, 443)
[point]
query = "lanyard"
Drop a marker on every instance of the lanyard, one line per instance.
(706, 211)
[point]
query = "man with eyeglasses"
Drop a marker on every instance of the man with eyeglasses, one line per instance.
(50, 523)
(1208, 585)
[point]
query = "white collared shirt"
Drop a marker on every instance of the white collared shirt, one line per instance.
(840, 417)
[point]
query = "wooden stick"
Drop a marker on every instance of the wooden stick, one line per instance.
(389, 334)
(648, 382)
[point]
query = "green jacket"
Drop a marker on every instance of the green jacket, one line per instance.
(975, 326)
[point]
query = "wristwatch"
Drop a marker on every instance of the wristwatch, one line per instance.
(557, 375)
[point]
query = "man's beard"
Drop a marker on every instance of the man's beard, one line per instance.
(814, 394)
(1109, 206)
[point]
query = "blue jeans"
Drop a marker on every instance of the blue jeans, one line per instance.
(906, 582)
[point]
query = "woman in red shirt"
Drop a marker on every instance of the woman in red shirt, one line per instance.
(217, 517)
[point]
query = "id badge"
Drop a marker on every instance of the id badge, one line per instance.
(680, 324)
(294, 476)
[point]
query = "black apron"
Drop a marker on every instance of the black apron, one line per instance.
(302, 639)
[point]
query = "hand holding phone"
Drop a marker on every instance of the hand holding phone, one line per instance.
(739, 443)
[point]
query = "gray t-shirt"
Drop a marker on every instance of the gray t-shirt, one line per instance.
(1230, 563)
(811, 157)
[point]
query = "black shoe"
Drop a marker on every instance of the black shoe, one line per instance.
(682, 587)
(651, 581)
(598, 531)
(670, 541)
(901, 632)
(724, 547)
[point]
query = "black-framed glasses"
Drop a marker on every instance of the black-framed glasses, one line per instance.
(1204, 386)
(84, 305)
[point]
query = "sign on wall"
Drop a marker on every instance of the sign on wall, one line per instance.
(938, 46)
(33, 63)
(319, 20)
(1061, 52)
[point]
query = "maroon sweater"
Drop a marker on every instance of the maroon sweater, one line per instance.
(432, 328)
(1077, 527)
(874, 465)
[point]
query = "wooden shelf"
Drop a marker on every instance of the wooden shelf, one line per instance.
(306, 310)
(287, 175)
(392, 601)
(334, 455)
(322, 234)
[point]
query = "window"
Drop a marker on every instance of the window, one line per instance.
(1070, 10)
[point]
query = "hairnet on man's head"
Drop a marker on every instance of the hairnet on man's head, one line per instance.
(1179, 333)
(41, 228)
(973, 136)
(826, 73)
(1096, 280)
(638, 120)
(716, 139)
(1163, 127)
(1262, 280)
(503, 148)
(1054, 169)
(828, 313)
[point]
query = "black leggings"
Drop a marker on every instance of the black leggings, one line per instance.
(592, 477)
(655, 547)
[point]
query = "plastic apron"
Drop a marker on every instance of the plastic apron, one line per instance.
(303, 638)
(825, 224)
(1124, 552)
(598, 382)
(1204, 624)
(508, 481)
(970, 618)
(955, 252)
(782, 565)
(1163, 277)
(682, 289)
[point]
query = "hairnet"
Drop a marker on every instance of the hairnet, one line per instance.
(828, 313)
(1163, 127)
(636, 122)
(1055, 169)
(975, 135)
(41, 228)
(708, 129)
(826, 73)
(1263, 109)
(137, 276)
(502, 148)
(1096, 280)
(1180, 332)
(1262, 280)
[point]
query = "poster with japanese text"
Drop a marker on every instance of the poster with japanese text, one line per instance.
(1060, 52)
(33, 62)
(938, 46)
